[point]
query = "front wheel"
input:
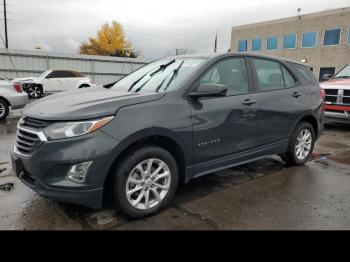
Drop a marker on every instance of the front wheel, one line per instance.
(301, 145)
(145, 182)
(35, 91)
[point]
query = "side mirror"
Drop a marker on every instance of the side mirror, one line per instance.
(209, 90)
(326, 77)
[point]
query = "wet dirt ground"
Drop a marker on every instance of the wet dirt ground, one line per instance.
(262, 195)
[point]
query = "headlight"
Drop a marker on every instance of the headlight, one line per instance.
(73, 129)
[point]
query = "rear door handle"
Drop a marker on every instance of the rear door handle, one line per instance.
(297, 94)
(249, 102)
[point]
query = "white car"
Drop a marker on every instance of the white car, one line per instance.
(11, 96)
(53, 81)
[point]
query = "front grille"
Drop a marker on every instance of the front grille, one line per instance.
(34, 123)
(26, 142)
(346, 100)
(332, 92)
(331, 99)
(346, 92)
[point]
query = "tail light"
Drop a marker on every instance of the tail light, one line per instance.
(18, 87)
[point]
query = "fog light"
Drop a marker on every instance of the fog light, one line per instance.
(78, 172)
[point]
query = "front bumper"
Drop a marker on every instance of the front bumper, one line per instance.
(337, 117)
(46, 169)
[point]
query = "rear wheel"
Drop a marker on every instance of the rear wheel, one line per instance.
(4, 109)
(301, 145)
(84, 86)
(145, 182)
(35, 91)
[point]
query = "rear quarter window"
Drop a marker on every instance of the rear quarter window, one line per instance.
(306, 72)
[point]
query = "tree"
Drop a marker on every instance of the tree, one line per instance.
(109, 41)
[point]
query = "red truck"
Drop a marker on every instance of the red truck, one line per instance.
(337, 91)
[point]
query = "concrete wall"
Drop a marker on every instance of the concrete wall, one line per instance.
(102, 69)
(321, 56)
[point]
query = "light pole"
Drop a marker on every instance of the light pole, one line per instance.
(5, 19)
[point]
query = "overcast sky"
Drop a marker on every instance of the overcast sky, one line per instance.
(155, 27)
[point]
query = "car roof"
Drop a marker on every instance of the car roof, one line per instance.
(230, 54)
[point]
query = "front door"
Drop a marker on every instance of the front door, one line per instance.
(224, 126)
(54, 82)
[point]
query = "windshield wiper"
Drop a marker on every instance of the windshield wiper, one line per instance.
(161, 68)
(175, 73)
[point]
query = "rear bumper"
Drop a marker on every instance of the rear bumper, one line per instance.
(18, 101)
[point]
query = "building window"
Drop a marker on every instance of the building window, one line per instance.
(272, 43)
(349, 36)
(242, 45)
(290, 41)
(330, 71)
(256, 44)
(332, 37)
(309, 39)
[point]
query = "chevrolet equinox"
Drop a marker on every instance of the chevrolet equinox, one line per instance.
(170, 121)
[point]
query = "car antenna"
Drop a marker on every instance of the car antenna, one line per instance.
(7, 51)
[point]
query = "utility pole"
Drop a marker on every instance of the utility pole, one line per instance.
(5, 19)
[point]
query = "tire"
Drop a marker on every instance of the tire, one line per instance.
(294, 157)
(84, 86)
(4, 109)
(128, 169)
(35, 91)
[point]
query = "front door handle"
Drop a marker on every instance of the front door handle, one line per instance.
(249, 102)
(296, 94)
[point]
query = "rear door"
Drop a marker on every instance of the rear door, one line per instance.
(281, 99)
(224, 126)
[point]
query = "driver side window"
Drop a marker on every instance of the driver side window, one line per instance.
(230, 72)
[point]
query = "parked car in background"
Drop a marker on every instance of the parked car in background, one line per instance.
(337, 90)
(11, 96)
(173, 120)
(53, 81)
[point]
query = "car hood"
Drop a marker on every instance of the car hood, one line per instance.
(336, 84)
(85, 104)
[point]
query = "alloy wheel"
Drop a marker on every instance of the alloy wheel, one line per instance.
(2, 110)
(34, 91)
(304, 144)
(148, 184)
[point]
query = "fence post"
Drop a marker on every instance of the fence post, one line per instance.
(47, 62)
(92, 69)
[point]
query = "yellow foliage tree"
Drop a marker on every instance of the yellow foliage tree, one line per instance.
(109, 41)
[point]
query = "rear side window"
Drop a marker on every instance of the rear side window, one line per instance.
(306, 72)
(269, 74)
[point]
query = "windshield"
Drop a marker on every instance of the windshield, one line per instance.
(160, 76)
(344, 73)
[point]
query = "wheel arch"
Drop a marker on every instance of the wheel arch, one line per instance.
(8, 102)
(135, 141)
(312, 120)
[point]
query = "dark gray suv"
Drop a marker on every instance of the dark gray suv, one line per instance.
(173, 120)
